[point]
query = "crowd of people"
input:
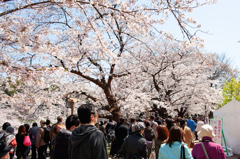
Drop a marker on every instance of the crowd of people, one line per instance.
(82, 137)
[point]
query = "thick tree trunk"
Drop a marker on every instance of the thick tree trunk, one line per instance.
(113, 105)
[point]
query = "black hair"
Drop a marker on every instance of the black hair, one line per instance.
(169, 123)
(182, 123)
(85, 111)
(147, 123)
(152, 117)
(59, 119)
(72, 120)
(27, 126)
(5, 125)
(122, 120)
(48, 122)
(34, 124)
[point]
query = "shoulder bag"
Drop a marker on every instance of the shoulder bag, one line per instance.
(204, 150)
(153, 153)
(182, 152)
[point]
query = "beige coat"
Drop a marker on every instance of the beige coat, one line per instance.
(40, 135)
(187, 135)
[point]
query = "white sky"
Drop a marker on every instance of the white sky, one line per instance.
(222, 20)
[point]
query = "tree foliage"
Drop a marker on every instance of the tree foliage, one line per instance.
(231, 91)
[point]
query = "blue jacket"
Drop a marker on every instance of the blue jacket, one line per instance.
(173, 152)
(192, 125)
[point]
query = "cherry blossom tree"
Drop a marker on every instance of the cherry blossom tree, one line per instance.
(178, 77)
(91, 39)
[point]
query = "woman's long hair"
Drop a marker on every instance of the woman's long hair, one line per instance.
(182, 123)
(176, 134)
(169, 123)
(22, 130)
(162, 132)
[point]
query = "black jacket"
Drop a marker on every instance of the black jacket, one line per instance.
(134, 144)
(60, 145)
(121, 132)
(87, 142)
(21, 149)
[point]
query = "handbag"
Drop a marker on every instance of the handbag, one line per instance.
(153, 153)
(192, 144)
(27, 141)
(182, 152)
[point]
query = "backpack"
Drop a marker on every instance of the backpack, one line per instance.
(46, 136)
(3, 142)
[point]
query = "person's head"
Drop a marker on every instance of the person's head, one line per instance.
(105, 122)
(169, 123)
(48, 122)
(22, 130)
(164, 121)
(133, 120)
(27, 126)
(121, 120)
(59, 119)
(152, 118)
(34, 124)
(139, 127)
(58, 127)
(181, 122)
(87, 114)
(72, 122)
(157, 118)
(110, 120)
(5, 125)
(10, 130)
(176, 134)
(42, 122)
(147, 123)
(162, 132)
(206, 131)
(189, 117)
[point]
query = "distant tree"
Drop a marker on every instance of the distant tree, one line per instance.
(223, 70)
(231, 90)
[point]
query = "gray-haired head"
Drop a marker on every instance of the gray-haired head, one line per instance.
(139, 126)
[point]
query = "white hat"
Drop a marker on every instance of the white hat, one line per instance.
(206, 130)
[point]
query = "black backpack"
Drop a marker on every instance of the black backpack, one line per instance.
(3, 142)
(46, 136)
